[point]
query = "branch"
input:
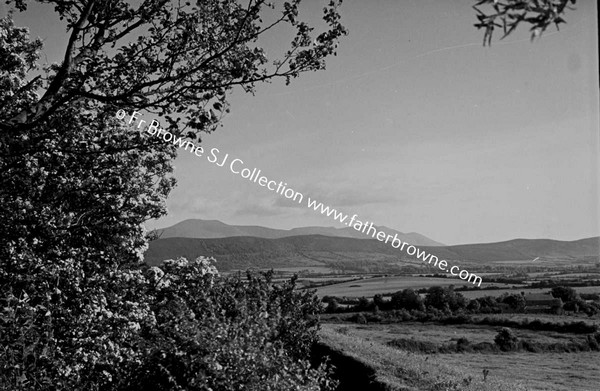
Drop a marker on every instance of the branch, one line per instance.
(60, 77)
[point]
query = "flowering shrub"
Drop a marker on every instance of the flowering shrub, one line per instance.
(177, 326)
(79, 310)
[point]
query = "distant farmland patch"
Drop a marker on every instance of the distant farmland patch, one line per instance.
(497, 292)
(372, 286)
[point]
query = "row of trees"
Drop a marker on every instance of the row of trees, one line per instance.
(447, 300)
(572, 301)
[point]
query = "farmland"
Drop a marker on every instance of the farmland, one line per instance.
(382, 285)
(454, 346)
(513, 371)
(398, 370)
(498, 292)
(368, 285)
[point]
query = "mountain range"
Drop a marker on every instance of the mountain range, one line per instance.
(214, 229)
(241, 247)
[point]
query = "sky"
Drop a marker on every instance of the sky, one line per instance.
(414, 125)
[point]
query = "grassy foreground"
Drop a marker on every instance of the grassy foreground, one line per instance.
(404, 371)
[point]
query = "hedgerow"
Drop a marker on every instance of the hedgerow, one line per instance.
(180, 326)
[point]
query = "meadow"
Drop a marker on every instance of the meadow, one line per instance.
(395, 370)
(507, 371)
(553, 351)
(552, 372)
(498, 292)
(369, 287)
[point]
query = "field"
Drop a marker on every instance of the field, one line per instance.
(547, 317)
(444, 334)
(513, 371)
(422, 354)
(551, 372)
(498, 292)
(396, 370)
(369, 287)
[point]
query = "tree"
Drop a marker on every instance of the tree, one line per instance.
(78, 310)
(407, 299)
(516, 302)
(510, 14)
(506, 340)
(170, 57)
(565, 293)
(76, 184)
(445, 297)
(333, 306)
(474, 306)
(363, 304)
(380, 302)
(558, 307)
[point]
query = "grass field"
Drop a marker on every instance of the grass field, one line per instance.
(578, 317)
(403, 371)
(550, 372)
(498, 292)
(372, 286)
(447, 334)
(508, 371)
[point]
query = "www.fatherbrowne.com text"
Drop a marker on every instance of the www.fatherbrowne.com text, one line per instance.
(237, 166)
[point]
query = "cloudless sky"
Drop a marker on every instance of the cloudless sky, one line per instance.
(414, 125)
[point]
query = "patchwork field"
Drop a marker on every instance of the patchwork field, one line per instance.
(511, 371)
(372, 286)
(396, 370)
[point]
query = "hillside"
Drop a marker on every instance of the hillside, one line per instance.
(214, 229)
(318, 250)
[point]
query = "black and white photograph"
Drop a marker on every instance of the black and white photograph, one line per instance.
(300, 195)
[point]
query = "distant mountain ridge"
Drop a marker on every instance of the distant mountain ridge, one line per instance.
(317, 250)
(215, 229)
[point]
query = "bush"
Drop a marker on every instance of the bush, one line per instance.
(411, 345)
(515, 301)
(565, 293)
(363, 304)
(463, 345)
(530, 346)
(177, 326)
(506, 340)
(474, 306)
(333, 306)
(358, 318)
(485, 347)
(593, 341)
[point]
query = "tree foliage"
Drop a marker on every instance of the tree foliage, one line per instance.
(178, 326)
(565, 293)
(443, 298)
(174, 59)
(516, 301)
(506, 340)
(508, 15)
(73, 179)
(78, 308)
(407, 299)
